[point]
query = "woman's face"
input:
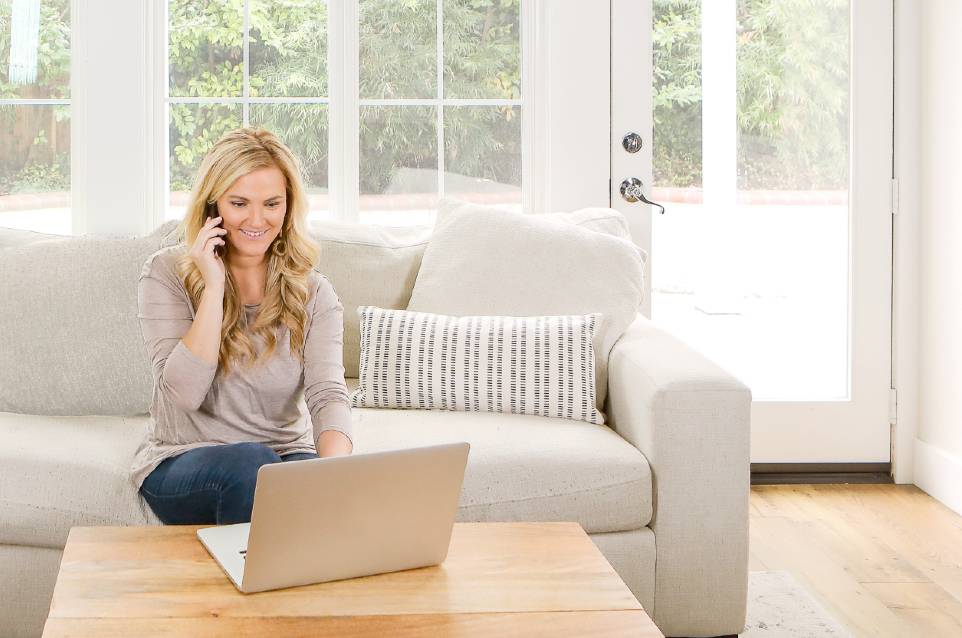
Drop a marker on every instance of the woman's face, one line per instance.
(257, 203)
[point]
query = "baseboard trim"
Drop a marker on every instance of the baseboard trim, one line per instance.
(822, 473)
(939, 474)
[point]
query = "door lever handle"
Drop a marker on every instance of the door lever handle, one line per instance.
(632, 190)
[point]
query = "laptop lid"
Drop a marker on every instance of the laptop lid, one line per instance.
(326, 519)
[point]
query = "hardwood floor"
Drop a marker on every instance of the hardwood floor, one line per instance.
(885, 560)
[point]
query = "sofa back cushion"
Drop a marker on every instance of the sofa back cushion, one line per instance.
(11, 237)
(70, 343)
(484, 260)
(369, 266)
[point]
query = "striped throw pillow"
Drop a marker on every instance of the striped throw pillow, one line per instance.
(522, 365)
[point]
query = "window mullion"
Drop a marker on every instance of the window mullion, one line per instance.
(440, 107)
(109, 119)
(78, 128)
(158, 166)
(344, 123)
(535, 162)
(246, 64)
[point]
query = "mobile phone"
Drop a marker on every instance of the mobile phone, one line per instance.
(211, 213)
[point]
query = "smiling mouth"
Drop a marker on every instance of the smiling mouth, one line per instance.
(253, 235)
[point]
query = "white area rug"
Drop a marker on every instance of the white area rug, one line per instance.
(779, 606)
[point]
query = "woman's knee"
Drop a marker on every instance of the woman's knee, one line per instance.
(242, 461)
(251, 452)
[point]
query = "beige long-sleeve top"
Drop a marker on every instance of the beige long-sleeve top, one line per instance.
(193, 405)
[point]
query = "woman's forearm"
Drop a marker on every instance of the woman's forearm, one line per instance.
(333, 443)
(204, 336)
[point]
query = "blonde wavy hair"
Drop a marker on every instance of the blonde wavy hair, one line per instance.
(290, 257)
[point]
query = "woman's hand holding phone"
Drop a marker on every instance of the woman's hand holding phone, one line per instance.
(211, 266)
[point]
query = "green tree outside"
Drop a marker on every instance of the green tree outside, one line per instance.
(792, 90)
(792, 93)
(35, 139)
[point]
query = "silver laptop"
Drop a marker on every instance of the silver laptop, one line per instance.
(318, 520)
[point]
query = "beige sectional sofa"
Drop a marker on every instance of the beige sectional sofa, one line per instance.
(662, 488)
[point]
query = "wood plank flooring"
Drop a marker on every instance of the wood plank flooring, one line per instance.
(885, 560)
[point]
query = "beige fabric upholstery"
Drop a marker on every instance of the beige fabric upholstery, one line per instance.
(69, 339)
(10, 237)
(486, 261)
(27, 578)
(369, 265)
(690, 417)
(598, 219)
(65, 471)
(523, 467)
(632, 554)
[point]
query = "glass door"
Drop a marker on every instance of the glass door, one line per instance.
(766, 131)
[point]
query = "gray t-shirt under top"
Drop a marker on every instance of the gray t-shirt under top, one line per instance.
(193, 405)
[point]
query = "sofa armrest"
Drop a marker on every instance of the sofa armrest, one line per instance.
(690, 418)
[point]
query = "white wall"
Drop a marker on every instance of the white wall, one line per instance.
(938, 453)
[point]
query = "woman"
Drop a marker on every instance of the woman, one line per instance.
(267, 331)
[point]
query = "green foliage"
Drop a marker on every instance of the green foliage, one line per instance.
(676, 94)
(792, 89)
(792, 92)
(53, 54)
(31, 152)
(398, 59)
(39, 177)
(205, 48)
(193, 129)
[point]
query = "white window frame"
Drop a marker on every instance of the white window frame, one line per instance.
(119, 134)
(343, 102)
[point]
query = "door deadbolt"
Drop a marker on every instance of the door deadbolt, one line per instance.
(632, 142)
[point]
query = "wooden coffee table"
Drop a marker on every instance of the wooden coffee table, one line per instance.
(499, 579)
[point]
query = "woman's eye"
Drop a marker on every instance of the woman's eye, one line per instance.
(271, 205)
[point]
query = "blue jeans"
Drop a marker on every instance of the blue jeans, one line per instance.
(210, 485)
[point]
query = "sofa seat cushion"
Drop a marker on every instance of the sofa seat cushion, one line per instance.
(64, 471)
(61, 471)
(524, 467)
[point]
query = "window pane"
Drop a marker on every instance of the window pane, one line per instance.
(193, 130)
(398, 164)
(482, 49)
(676, 94)
(792, 95)
(206, 48)
(778, 189)
(482, 153)
(288, 48)
(303, 128)
(398, 49)
(35, 167)
(35, 49)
